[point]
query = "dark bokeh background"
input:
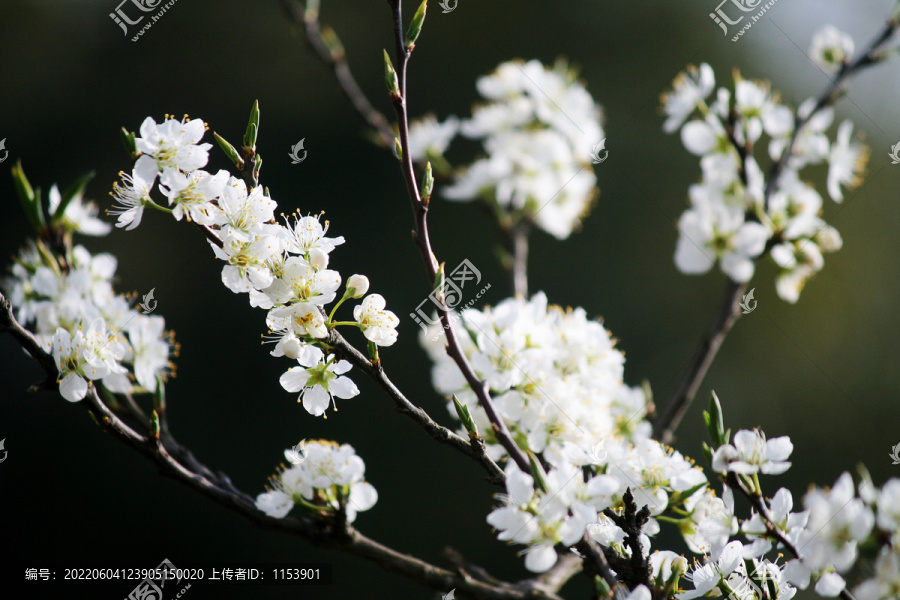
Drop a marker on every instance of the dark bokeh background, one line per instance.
(823, 371)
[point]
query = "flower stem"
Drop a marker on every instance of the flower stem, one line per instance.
(153, 204)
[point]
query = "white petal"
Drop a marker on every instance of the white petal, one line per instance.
(294, 379)
(363, 495)
(316, 400)
(520, 487)
(343, 387)
(540, 558)
(73, 387)
(830, 585)
(779, 448)
(698, 137)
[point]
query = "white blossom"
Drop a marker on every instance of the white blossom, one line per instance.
(831, 48)
(428, 138)
(135, 193)
(319, 381)
(79, 215)
(331, 477)
(377, 324)
(174, 144)
(752, 453)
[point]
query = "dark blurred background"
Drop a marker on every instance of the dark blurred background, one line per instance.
(822, 371)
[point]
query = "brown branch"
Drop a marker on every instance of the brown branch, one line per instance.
(665, 425)
(772, 530)
(330, 533)
(471, 447)
(334, 56)
(866, 58)
(596, 565)
(565, 568)
(423, 241)
(670, 417)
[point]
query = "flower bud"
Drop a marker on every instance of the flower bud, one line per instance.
(357, 286)
(390, 77)
(318, 258)
(252, 128)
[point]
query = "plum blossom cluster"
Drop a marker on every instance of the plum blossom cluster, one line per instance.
(538, 126)
(825, 538)
(841, 522)
(283, 268)
(93, 333)
(555, 375)
(329, 478)
(556, 381)
(736, 216)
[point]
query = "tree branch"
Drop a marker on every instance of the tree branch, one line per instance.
(331, 52)
(665, 426)
(422, 239)
(670, 417)
(866, 58)
(329, 532)
(772, 530)
(471, 447)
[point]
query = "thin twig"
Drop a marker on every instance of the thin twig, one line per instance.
(553, 580)
(182, 466)
(664, 427)
(334, 56)
(420, 209)
(829, 95)
(772, 529)
(471, 447)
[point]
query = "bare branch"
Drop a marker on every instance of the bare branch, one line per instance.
(333, 55)
(329, 532)
(471, 447)
(420, 209)
(670, 417)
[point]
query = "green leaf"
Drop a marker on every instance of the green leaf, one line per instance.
(229, 150)
(256, 168)
(159, 398)
(128, 142)
(73, 191)
(27, 198)
(463, 412)
(714, 422)
(427, 183)
(537, 471)
(333, 43)
(415, 27)
(390, 77)
(708, 453)
(439, 281)
(154, 425)
(252, 127)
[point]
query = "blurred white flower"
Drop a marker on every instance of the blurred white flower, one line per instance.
(831, 48)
